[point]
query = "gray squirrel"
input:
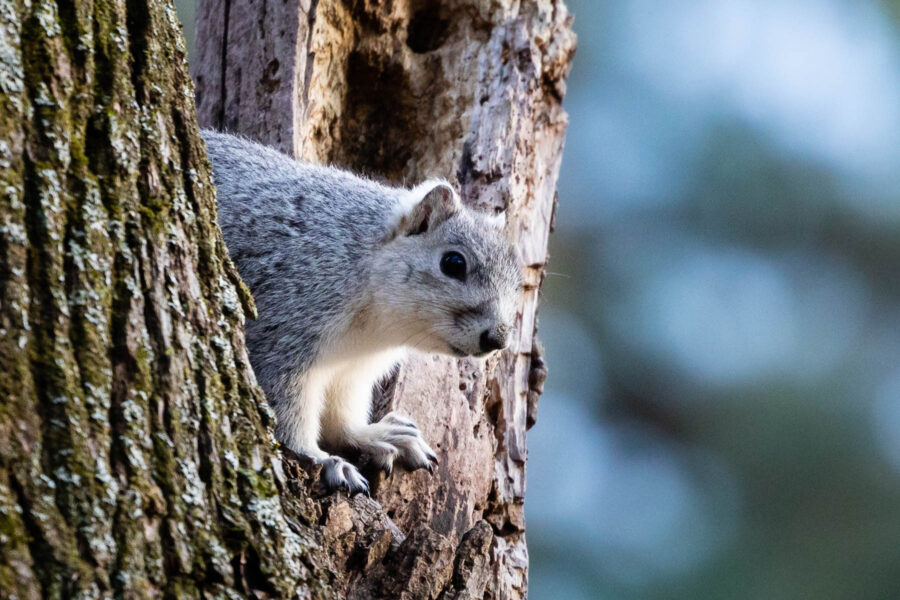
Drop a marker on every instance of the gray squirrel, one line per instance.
(346, 274)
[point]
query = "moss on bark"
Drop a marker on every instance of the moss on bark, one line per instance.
(136, 457)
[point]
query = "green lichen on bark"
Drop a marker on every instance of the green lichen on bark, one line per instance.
(135, 450)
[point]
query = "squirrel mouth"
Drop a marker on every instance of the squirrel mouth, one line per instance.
(462, 353)
(456, 350)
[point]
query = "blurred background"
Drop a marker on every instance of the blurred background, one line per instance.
(722, 416)
(722, 321)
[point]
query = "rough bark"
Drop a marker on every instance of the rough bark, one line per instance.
(469, 90)
(136, 458)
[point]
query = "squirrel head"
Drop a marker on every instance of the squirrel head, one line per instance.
(446, 276)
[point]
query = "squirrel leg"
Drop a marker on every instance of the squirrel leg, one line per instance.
(395, 438)
(298, 425)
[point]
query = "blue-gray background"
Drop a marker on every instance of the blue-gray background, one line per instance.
(722, 321)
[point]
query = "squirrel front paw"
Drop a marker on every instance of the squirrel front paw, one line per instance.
(395, 438)
(338, 474)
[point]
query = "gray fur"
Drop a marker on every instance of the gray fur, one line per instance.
(342, 281)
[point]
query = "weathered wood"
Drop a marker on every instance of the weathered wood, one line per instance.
(469, 90)
(136, 458)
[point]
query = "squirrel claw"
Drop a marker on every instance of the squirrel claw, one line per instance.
(395, 440)
(338, 474)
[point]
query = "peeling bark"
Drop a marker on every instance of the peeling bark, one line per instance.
(469, 90)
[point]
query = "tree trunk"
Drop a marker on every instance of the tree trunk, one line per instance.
(136, 458)
(469, 90)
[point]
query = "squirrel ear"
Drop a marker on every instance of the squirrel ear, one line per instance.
(425, 207)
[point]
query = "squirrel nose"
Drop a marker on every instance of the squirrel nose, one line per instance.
(491, 340)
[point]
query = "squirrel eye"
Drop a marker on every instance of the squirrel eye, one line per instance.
(453, 264)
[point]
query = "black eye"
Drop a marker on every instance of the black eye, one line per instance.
(453, 264)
